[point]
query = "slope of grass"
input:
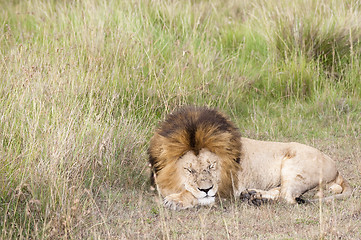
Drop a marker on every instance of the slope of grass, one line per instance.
(84, 83)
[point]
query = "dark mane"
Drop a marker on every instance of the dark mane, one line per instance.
(190, 120)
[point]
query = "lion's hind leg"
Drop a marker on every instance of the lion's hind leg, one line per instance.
(258, 197)
(339, 187)
(292, 188)
(334, 188)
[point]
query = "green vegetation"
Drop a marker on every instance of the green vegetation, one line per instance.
(84, 83)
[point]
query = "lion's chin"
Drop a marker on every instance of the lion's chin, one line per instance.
(206, 200)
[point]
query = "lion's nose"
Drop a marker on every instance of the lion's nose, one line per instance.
(206, 190)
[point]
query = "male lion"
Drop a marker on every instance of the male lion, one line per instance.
(197, 153)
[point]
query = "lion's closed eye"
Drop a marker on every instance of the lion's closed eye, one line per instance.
(190, 170)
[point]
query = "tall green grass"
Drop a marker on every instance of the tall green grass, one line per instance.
(82, 85)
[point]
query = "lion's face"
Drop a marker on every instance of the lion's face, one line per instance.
(200, 174)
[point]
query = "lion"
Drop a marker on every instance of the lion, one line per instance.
(197, 154)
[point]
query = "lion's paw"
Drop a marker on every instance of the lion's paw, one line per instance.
(253, 197)
(175, 202)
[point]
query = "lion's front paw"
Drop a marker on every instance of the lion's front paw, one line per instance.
(253, 197)
(178, 201)
(173, 203)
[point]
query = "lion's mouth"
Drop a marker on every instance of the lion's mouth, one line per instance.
(206, 200)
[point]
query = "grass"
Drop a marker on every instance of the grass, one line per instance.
(83, 84)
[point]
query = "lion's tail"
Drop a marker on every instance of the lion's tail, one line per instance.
(345, 189)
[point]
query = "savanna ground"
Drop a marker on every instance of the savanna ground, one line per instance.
(84, 83)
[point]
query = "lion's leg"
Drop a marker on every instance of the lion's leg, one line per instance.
(320, 190)
(294, 183)
(289, 196)
(334, 187)
(258, 197)
(182, 200)
(292, 189)
(271, 194)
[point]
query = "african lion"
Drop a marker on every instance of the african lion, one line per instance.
(197, 153)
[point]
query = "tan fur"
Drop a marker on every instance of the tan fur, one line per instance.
(287, 170)
(197, 153)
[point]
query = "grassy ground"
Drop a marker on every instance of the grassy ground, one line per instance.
(84, 83)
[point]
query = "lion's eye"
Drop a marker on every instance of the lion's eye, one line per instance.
(189, 170)
(211, 166)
